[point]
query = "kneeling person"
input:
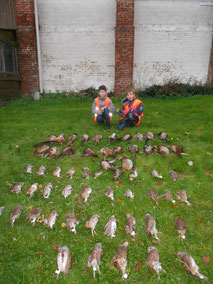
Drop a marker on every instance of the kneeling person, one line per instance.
(132, 111)
(103, 107)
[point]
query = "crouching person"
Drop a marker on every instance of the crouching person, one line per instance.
(131, 112)
(103, 107)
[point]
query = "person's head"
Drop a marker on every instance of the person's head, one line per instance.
(131, 95)
(102, 90)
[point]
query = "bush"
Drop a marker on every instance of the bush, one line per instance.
(173, 89)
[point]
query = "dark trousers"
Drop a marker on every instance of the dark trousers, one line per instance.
(104, 116)
(131, 120)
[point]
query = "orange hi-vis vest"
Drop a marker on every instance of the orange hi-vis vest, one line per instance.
(106, 104)
(134, 106)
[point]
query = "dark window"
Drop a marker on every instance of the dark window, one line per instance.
(8, 58)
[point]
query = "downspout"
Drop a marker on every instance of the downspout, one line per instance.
(38, 46)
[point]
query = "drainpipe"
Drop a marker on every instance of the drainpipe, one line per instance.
(38, 46)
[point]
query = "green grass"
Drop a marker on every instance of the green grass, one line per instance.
(188, 121)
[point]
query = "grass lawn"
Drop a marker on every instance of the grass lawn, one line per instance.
(27, 253)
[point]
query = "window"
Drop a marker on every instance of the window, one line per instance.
(8, 58)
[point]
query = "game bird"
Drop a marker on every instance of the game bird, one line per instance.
(112, 137)
(138, 136)
(94, 259)
(126, 137)
(28, 169)
(148, 149)
(30, 191)
(109, 193)
(47, 190)
(70, 173)
(181, 195)
(173, 175)
(162, 150)
(129, 194)
(50, 220)
(116, 174)
(16, 188)
(167, 196)
(89, 152)
(53, 151)
(15, 215)
(91, 223)
(163, 136)
(130, 225)
(149, 136)
(127, 164)
(60, 139)
(67, 151)
(85, 138)
(97, 138)
(181, 227)
(153, 260)
(50, 139)
(33, 215)
(40, 152)
(71, 139)
(117, 150)
(110, 227)
(86, 193)
(156, 174)
(57, 172)
(190, 265)
(63, 261)
(153, 195)
(106, 152)
(151, 227)
(134, 150)
(67, 191)
(107, 165)
(71, 222)
(86, 173)
(120, 259)
(177, 150)
(1, 209)
(133, 174)
(97, 174)
(41, 171)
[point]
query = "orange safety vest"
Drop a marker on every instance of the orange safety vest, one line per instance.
(106, 104)
(134, 106)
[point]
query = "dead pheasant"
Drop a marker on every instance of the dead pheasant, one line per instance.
(156, 174)
(151, 229)
(126, 137)
(97, 138)
(89, 152)
(112, 137)
(153, 260)
(86, 173)
(71, 172)
(94, 259)
(127, 164)
(16, 188)
(138, 136)
(67, 151)
(97, 174)
(149, 136)
(50, 139)
(33, 215)
(28, 169)
(163, 136)
(177, 150)
(167, 196)
(15, 215)
(107, 165)
(162, 150)
(173, 175)
(149, 149)
(117, 150)
(109, 193)
(106, 152)
(129, 194)
(133, 149)
(60, 139)
(53, 151)
(133, 174)
(71, 139)
(40, 152)
(85, 138)
(130, 226)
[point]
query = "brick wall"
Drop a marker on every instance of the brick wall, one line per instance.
(124, 45)
(27, 51)
(210, 73)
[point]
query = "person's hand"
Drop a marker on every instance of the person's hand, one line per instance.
(117, 110)
(100, 111)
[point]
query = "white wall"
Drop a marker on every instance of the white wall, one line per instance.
(172, 41)
(77, 43)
